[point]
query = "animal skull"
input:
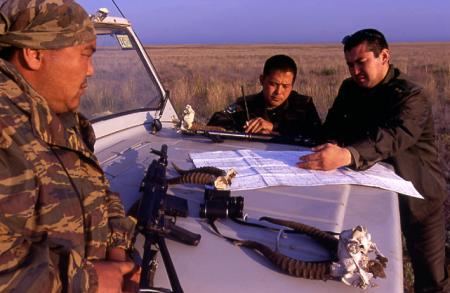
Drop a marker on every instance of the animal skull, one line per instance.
(353, 252)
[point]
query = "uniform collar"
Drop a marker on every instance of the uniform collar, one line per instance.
(389, 75)
(283, 106)
(45, 123)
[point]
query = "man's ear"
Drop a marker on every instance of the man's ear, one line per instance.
(31, 58)
(385, 56)
(261, 79)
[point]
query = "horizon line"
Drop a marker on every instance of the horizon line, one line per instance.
(286, 43)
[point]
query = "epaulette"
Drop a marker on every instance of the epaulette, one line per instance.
(403, 86)
(232, 108)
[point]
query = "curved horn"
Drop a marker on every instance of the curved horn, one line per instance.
(194, 178)
(178, 169)
(291, 266)
(207, 169)
(324, 238)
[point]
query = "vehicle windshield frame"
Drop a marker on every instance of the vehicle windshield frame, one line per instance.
(116, 29)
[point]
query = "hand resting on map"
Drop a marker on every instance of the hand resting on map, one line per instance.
(326, 157)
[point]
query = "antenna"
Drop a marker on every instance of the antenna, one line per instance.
(120, 11)
(245, 104)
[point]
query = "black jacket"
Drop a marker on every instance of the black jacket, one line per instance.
(391, 122)
(296, 116)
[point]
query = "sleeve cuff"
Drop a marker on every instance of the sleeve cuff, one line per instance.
(121, 232)
(275, 126)
(355, 158)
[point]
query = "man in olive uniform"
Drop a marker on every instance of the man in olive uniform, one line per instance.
(61, 228)
(380, 115)
(277, 109)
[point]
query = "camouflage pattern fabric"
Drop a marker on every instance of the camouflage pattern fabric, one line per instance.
(57, 213)
(44, 24)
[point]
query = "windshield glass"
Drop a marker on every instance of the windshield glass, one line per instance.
(121, 83)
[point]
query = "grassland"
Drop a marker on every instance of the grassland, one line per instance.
(210, 77)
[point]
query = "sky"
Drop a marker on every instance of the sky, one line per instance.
(279, 21)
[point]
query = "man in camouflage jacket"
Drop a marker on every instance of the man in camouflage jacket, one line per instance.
(61, 228)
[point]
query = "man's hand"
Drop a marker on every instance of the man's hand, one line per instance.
(131, 281)
(326, 157)
(110, 274)
(258, 125)
(117, 273)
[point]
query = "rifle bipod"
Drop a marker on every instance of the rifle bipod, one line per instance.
(153, 244)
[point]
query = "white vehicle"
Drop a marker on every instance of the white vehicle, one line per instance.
(126, 101)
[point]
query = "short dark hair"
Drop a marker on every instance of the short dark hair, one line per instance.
(375, 40)
(282, 63)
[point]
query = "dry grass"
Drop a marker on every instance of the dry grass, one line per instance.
(210, 77)
(113, 89)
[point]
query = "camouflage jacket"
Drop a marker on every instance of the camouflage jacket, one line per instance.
(57, 213)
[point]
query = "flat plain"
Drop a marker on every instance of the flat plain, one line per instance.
(209, 77)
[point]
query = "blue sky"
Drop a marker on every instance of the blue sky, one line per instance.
(280, 21)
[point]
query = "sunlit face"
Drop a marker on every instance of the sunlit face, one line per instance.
(64, 73)
(277, 87)
(366, 69)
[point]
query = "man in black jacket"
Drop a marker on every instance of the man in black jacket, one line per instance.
(380, 115)
(277, 109)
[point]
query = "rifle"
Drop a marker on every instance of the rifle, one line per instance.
(152, 224)
(218, 136)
